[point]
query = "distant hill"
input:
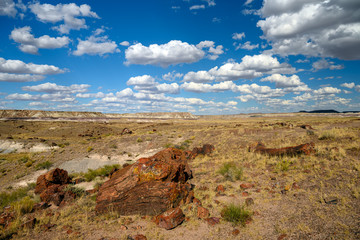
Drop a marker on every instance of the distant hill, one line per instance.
(328, 111)
(38, 114)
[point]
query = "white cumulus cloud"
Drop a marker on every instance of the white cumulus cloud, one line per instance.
(17, 66)
(53, 88)
(96, 45)
(30, 44)
(71, 14)
(282, 81)
(8, 77)
(312, 27)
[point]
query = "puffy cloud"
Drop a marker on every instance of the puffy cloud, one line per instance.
(251, 67)
(324, 64)
(248, 2)
(247, 45)
(144, 80)
(68, 13)
(124, 43)
(327, 90)
(172, 88)
(7, 77)
(348, 85)
(7, 8)
(90, 95)
(30, 44)
(282, 81)
(55, 97)
(172, 76)
(199, 77)
(238, 36)
(201, 87)
(171, 53)
(52, 88)
(17, 66)
(312, 27)
(96, 45)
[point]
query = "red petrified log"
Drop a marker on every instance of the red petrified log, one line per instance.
(306, 149)
(170, 219)
(148, 187)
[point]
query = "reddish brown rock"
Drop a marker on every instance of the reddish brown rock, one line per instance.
(220, 189)
(54, 177)
(149, 186)
(170, 219)
(139, 237)
(245, 194)
(306, 149)
(6, 218)
(306, 126)
(29, 224)
(206, 149)
(126, 131)
(40, 206)
(282, 236)
(202, 213)
(249, 201)
(246, 185)
(213, 220)
(235, 232)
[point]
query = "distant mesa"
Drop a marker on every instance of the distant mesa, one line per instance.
(52, 115)
(327, 111)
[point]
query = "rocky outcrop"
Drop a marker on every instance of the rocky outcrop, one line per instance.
(52, 187)
(205, 150)
(306, 149)
(148, 187)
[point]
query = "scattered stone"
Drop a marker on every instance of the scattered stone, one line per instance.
(287, 187)
(206, 149)
(213, 220)
(331, 200)
(249, 201)
(202, 213)
(139, 237)
(6, 218)
(307, 171)
(245, 194)
(126, 131)
(235, 232)
(123, 227)
(295, 186)
(282, 236)
(170, 219)
(306, 149)
(220, 189)
(203, 188)
(306, 126)
(197, 202)
(46, 227)
(246, 185)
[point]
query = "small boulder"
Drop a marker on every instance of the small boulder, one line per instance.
(202, 213)
(213, 220)
(246, 185)
(170, 219)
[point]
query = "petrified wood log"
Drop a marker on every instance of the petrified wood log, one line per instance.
(148, 187)
(53, 177)
(306, 149)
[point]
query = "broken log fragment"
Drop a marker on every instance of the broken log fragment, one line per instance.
(306, 149)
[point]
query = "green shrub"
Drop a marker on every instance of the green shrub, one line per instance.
(231, 171)
(139, 140)
(89, 149)
(328, 135)
(283, 165)
(44, 165)
(29, 163)
(23, 206)
(102, 172)
(7, 198)
(236, 214)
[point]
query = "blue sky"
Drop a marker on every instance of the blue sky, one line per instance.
(200, 56)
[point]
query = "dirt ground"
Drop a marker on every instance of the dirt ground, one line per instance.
(303, 197)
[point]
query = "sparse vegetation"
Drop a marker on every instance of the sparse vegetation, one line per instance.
(231, 171)
(9, 198)
(100, 172)
(89, 149)
(236, 214)
(44, 165)
(139, 140)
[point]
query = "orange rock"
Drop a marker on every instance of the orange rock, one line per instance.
(202, 213)
(170, 219)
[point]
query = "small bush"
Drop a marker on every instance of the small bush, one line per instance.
(102, 172)
(23, 206)
(29, 163)
(139, 140)
(231, 171)
(8, 198)
(168, 145)
(44, 165)
(236, 214)
(327, 135)
(89, 149)
(284, 165)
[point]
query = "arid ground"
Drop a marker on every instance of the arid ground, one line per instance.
(314, 196)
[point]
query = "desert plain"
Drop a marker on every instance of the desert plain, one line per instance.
(296, 196)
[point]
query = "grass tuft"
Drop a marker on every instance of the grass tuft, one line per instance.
(231, 171)
(44, 165)
(236, 214)
(102, 172)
